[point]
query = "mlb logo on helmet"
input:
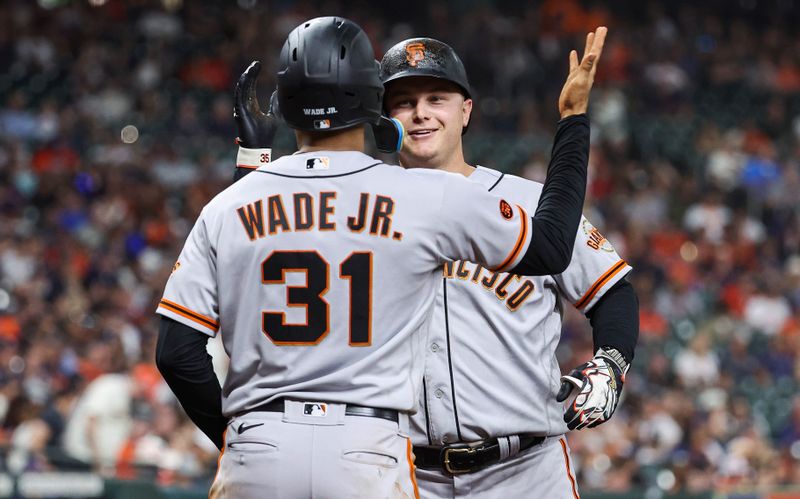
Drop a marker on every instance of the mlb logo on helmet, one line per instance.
(322, 124)
(415, 52)
(315, 409)
(318, 163)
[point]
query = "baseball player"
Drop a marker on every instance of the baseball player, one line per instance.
(491, 423)
(320, 272)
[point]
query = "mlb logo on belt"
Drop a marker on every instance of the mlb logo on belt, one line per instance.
(315, 409)
(318, 163)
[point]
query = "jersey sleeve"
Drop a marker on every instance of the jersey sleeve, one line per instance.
(595, 267)
(190, 296)
(481, 227)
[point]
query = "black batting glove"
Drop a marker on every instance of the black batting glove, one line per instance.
(256, 129)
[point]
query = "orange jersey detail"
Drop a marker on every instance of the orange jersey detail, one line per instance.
(599, 283)
(190, 314)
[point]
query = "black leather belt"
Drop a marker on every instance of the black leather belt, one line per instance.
(455, 459)
(350, 410)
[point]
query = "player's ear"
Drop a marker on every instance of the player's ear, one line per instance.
(466, 113)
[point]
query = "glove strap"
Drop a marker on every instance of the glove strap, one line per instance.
(253, 158)
(615, 356)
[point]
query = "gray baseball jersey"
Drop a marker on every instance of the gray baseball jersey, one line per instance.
(321, 272)
(491, 368)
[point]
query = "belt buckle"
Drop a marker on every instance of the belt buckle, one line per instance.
(461, 449)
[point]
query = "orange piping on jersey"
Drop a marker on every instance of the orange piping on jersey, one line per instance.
(247, 166)
(523, 234)
(219, 459)
(569, 470)
(598, 284)
(190, 314)
(410, 456)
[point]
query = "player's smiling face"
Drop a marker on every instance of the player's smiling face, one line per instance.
(434, 112)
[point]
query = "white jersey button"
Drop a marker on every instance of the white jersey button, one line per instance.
(438, 393)
(434, 347)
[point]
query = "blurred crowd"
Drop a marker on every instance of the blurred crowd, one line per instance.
(116, 128)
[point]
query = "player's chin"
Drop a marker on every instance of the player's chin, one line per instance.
(419, 156)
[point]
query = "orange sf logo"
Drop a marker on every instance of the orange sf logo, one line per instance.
(596, 239)
(505, 210)
(415, 52)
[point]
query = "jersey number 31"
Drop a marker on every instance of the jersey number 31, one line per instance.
(356, 268)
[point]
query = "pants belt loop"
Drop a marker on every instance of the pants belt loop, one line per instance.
(513, 443)
(505, 447)
(403, 423)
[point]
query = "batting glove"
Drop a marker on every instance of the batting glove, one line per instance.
(598, 384)
(256, 128)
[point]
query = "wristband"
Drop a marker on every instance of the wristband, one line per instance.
(253, 158)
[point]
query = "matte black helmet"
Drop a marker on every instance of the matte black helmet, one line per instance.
(424, 57)
(328, 77)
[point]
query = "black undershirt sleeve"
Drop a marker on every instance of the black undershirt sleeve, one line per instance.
(554, 226)
(185, 364)
(241, 172)
(615, 319)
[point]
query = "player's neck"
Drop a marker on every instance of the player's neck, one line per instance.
(461, 167)
(349, 139)
(454, 164)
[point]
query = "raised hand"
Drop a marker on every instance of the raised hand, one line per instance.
(256, 128)
(574, 97)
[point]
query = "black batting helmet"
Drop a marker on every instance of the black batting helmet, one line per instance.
(328, 77)
(424, 57)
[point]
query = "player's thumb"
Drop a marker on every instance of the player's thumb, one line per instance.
(251, 78)
(564, 391)
(244, 94)
(569, 381)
